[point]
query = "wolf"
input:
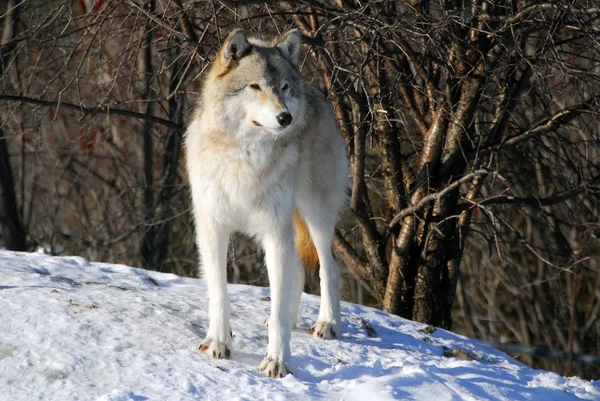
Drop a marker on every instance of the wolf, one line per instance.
(265, 157)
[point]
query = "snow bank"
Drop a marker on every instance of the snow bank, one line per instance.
(74, 330)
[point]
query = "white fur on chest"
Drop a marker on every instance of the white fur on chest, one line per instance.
(239, 179)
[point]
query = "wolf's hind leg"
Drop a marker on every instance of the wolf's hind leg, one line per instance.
(298, 289)
(212, 244)
(321, 224)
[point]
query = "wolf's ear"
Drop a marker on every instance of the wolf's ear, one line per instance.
(289, 45)
(235, 47)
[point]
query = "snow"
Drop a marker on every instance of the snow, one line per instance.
(75, 330)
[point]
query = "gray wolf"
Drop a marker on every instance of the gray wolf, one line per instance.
(262, 147)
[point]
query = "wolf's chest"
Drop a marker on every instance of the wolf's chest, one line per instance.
(243, 171)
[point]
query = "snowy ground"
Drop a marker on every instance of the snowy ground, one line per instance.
(74, 330)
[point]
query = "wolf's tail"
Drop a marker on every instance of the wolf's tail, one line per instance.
(306, 248)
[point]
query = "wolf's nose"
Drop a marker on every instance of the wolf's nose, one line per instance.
(284, 119)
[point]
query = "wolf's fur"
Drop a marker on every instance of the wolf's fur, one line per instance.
(248, 173)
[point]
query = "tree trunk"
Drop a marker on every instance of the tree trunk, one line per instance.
(13, 233)
(170, 164)
(149, 254)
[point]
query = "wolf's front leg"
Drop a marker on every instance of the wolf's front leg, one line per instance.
(281, 258)
(212, 244)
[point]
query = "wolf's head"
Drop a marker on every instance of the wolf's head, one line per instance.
(255, 85)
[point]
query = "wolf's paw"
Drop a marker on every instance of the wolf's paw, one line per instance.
(216, 349)
(273, 368)
(324, 329)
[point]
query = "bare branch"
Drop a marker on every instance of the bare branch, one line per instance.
(435, 196)
(100, 109)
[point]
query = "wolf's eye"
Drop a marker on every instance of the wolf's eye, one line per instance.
(285, 87)
(255, 87)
